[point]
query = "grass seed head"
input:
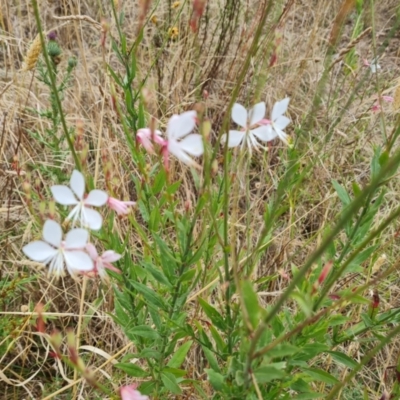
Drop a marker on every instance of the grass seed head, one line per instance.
(32, 54)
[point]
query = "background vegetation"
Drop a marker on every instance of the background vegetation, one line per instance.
(221, 294)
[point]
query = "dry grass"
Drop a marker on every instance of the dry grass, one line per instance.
(180, 72)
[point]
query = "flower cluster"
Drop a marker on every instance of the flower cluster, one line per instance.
(75, 252)
(184, 145)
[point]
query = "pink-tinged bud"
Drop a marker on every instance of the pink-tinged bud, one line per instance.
(105, 27)
(375, 299)
(56, 342)
(325, 271)
(198, 10)
(214, 168)
(40, 323)
(188, 205)
(120, 207)
(205, 94)
(26, 187)
(71, 342)
(144, 6)
(83, 155)
(43, 210)
(385, 395)
(388, 99)
(52, 209)
(206, 129)
(334, 296)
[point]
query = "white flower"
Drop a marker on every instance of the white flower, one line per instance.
(55, 251)
(247, 136)
(103, 262)
(87, 216)
(180, 143)
(374, 66)
(278, 121)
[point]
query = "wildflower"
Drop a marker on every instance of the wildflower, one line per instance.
(176, 4)
(154, 19)
(130, 393)
(120, 207)
(278, 121)
(377, 107)
(147, 137)
(55, 251)
(87, 216)
(179, 127)
(173, 32)
(103, 262)
(247, 120)
(374, 66)
(178, 142)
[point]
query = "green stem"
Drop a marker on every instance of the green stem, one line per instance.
(351, 210)
(54, 86)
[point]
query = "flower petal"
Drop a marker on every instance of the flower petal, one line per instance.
(264, 133)
(63, 195)
(279, 108)
(239, 115)
(39, 251)
(282, 122)
(257, 113)
(110, 256)
(181, 125)
(91, 249)
(192, 144)
(96, 198)
(91, 218)
(235, 138)
(175, 149)
(78, 261)
(56, 266)
(77, 184)
(76, 238)
(52, 232)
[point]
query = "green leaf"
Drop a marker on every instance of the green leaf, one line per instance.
(304, 301)
(282, 350)
(144, 331)
(343, 359)
(211, 358)
(157, 275)
(320, 375)
(147, 387)
(132, 370)
(216, 379)
(308, 396)
(215, 317)
(170, 382)
(250, 300)
(342, 193)
(150, 295)
(179, 357)
(269, 372)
